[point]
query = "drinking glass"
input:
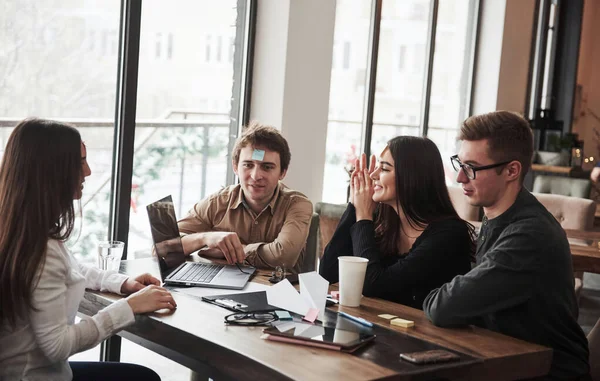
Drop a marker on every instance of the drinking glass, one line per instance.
(109, 255)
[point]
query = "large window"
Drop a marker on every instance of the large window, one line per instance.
(411, 92)
(184, 99)
(347, 94)
(59, 60)
(162, 117)
(451, 75)
(401, 70)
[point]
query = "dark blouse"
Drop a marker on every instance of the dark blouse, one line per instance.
(440, 253)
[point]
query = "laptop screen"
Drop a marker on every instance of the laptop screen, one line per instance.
(168, 248)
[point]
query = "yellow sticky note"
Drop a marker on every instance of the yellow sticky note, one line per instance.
(387, 316)
(402, 323)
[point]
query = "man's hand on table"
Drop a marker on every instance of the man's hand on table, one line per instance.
(228, 243)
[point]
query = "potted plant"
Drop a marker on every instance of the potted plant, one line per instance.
(558, 150)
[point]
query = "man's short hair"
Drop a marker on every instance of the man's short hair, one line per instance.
(258, 135)
(508, 134)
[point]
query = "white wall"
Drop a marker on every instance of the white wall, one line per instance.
(292, 71)
(502, 61)
(290, 86)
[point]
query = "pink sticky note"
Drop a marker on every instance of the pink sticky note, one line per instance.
(335, 294)
(311, 315)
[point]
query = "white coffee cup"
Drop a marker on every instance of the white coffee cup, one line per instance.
(109, 255)
(352, 278)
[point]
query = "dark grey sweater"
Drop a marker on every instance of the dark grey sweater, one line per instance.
(522, 286)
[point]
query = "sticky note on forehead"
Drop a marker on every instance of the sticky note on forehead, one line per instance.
(258, 154)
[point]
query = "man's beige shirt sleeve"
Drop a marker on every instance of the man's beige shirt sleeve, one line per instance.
(286, 248)
(198, 219)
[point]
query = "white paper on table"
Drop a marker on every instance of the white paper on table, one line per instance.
(313, 289)
(283, 295)
(313, 292)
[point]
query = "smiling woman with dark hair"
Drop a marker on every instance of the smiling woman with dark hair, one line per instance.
(417, 241)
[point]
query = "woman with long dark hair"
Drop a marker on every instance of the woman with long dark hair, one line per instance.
(41, 284)
(417, 241)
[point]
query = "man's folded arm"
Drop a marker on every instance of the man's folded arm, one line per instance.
(485, 289)
(286, 248)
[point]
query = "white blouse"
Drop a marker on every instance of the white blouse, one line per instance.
(38, 347)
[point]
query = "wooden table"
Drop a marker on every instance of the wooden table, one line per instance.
(585, 250)
(195, 336)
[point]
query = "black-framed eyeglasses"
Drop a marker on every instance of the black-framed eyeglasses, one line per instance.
(251, 318)
(471, 170)
(240, 268)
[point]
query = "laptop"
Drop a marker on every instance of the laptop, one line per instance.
(168, 251)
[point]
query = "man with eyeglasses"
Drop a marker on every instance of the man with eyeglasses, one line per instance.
(522, 284)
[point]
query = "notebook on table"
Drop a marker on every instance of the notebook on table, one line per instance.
(168, 252)
(250, 301)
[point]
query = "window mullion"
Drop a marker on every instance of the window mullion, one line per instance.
(371, 80)
(122, 169)
(426, 94)
(242, 76)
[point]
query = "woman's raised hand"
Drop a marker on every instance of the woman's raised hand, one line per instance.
(151, 298)
(363, 163)
(360, 164)
(361, 191)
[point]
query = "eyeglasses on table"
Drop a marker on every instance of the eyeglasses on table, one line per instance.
(251, 318)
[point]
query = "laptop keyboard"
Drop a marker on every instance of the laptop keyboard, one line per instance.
(198, 272)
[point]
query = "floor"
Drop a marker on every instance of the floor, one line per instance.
(132, 353)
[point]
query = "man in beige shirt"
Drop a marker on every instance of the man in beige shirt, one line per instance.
(259, 220)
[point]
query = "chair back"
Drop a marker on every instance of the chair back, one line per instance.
(329, 218)
(566, 186)
(571, 212)
(309, 262)
(465, 210)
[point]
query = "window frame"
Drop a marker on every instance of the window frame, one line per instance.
(372, 58)
(125, 117)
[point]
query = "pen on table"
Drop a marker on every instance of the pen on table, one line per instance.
(356, 319)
